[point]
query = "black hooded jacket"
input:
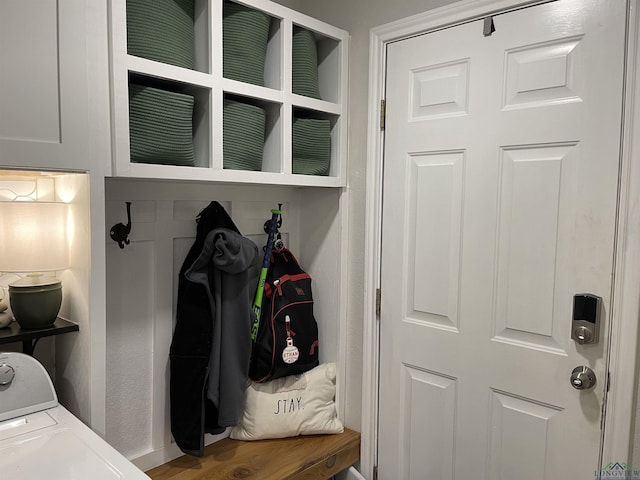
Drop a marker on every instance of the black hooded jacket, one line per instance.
(211, 345)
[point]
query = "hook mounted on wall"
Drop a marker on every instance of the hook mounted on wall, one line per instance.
(277, 242)
(120, 233)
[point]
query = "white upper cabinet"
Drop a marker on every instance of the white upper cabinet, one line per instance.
(43, 85)
(215, 90)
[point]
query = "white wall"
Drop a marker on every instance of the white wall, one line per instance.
(358, 17)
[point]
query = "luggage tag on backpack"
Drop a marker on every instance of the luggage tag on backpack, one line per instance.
(290, 353)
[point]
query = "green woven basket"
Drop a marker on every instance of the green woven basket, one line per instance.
(243, 134)
(160, 126)
(161, 30)
(245, 33)
(311, 146)
(305, 63)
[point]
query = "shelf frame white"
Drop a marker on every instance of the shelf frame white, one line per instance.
(209, 77)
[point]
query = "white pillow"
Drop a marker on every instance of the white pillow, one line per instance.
(290, 406)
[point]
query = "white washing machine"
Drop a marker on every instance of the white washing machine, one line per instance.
(40, 439)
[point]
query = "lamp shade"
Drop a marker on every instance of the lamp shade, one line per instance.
(33, 236)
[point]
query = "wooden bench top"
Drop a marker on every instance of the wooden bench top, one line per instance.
(314, 457)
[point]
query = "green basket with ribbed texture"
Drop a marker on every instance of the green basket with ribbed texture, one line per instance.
(161, 30)
(160, 126)
(243, 133)
(311, 146)
(245, 33)
(304, 63)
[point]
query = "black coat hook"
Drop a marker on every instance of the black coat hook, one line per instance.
(120, 232)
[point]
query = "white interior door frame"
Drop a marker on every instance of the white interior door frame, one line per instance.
(619, 421)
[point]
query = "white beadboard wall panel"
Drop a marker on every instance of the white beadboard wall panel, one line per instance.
(131, 279)
(143, 281)
(322, 252)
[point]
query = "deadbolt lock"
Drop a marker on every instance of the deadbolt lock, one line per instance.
(583, 334)
(585, 324)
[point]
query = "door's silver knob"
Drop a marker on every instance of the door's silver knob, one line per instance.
(583, 378)
(583, 335)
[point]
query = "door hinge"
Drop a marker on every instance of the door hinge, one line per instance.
(375, 472)
(383, 113)
(378, 301)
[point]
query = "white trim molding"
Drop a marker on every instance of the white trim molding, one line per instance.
(623, 351)
(370, 350)
(621, 402)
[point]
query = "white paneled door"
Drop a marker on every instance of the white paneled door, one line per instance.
(500, 195)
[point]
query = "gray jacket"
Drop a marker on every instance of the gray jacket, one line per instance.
(227, 268)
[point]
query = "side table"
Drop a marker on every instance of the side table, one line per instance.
(29, 337)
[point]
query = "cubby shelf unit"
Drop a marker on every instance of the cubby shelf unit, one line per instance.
(209, 88)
